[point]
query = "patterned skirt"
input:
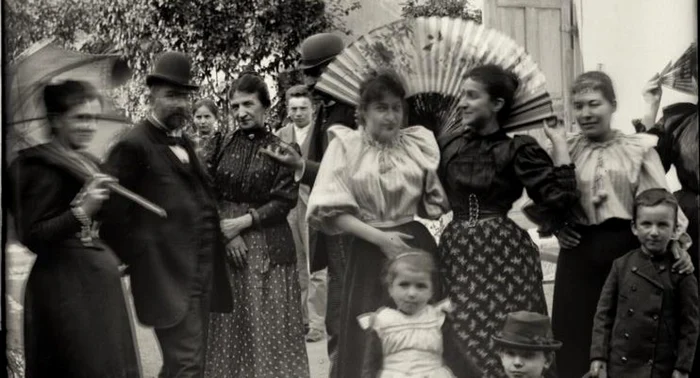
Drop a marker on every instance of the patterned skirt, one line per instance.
(264, 335)
(490, 269)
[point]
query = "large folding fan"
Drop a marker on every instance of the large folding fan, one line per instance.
(432, 55)
(678, 75)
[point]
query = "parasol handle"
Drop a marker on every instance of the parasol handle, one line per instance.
(148, 205)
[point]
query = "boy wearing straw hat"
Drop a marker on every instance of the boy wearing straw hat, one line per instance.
(526, 345)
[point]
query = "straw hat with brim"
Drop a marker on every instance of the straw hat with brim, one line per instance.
(318, 49)
(527, 330)
(173, 68)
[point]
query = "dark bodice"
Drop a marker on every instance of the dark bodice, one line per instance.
(242, 175)
(678, 143)
(42, 193)
(494, 169)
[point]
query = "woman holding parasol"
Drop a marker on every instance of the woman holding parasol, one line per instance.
(76, 321)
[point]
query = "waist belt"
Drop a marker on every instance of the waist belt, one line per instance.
(475, 213)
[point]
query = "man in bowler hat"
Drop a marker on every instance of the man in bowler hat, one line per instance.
(177, 263)
(317, 51)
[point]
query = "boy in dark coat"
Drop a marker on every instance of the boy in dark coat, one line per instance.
(646, 324)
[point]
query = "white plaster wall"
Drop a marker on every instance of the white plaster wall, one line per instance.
(631, 40)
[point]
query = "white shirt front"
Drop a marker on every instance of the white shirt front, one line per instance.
(179, 151)
(300, 133)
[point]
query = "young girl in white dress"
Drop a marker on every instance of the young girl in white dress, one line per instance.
(411, 339)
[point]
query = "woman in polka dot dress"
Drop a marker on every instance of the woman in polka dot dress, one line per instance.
(264, 336)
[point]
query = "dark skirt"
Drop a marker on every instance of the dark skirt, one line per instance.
(264, 334)
(76, 321)
(490, 269)
(581, 274)
(364, 292)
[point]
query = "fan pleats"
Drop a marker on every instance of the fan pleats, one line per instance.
(433, 55)
(678, 75)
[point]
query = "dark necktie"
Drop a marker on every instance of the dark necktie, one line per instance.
(175, 141)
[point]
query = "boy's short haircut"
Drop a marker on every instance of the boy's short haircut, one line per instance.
(655, 197)
(299, 90)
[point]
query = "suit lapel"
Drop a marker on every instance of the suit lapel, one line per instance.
(306, 143)
(161, 145)
(643, 267)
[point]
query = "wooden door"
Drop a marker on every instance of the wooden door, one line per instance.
(544, 29)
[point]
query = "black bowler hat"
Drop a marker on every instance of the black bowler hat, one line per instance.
(174, 68)
(527, 330)
(319, 49)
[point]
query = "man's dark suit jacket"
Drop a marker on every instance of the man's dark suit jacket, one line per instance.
(162, 253)
(330, 113)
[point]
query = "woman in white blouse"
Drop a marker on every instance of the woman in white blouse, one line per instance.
(371, 183)
(611, 169)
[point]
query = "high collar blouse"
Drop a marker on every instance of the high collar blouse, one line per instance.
(383, 185)
(612, 173)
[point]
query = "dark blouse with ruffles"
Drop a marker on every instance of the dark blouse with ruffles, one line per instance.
(678, 143)
(496, 168)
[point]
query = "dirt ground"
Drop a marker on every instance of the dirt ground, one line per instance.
(19, 262)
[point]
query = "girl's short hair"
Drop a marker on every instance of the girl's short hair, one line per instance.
(61, 97)
(415, 260)
(207, 103)
(253, 84)
(499, 83)
(595, 81)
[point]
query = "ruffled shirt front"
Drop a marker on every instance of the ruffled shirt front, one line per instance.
(412, 345)
(610, 174)
(383, 185)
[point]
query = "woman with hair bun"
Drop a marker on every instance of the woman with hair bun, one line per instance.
(371, 183)
(264, 335)
(491, 266)
(76, 321)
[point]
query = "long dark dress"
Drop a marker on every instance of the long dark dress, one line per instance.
(76, 321)
(385, 186)
(264, 335)
(622, 167)
(491, 266)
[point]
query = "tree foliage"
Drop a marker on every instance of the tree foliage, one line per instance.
(29, 21)
(223, 37)
(441, 8)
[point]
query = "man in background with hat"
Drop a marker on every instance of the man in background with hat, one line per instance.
(317, 52)
(177, 263)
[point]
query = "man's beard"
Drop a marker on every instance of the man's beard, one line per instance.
(176, 120)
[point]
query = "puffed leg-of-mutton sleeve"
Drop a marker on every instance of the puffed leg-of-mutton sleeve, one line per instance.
(39, 222)
(651, 176)
(434, 202)
(455, 354)
(605, 317)
(331, 195)
(689, 329)
(284, 195)
(126, 163)
(553, 189)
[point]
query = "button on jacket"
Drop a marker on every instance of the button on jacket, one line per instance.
(646, 324)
